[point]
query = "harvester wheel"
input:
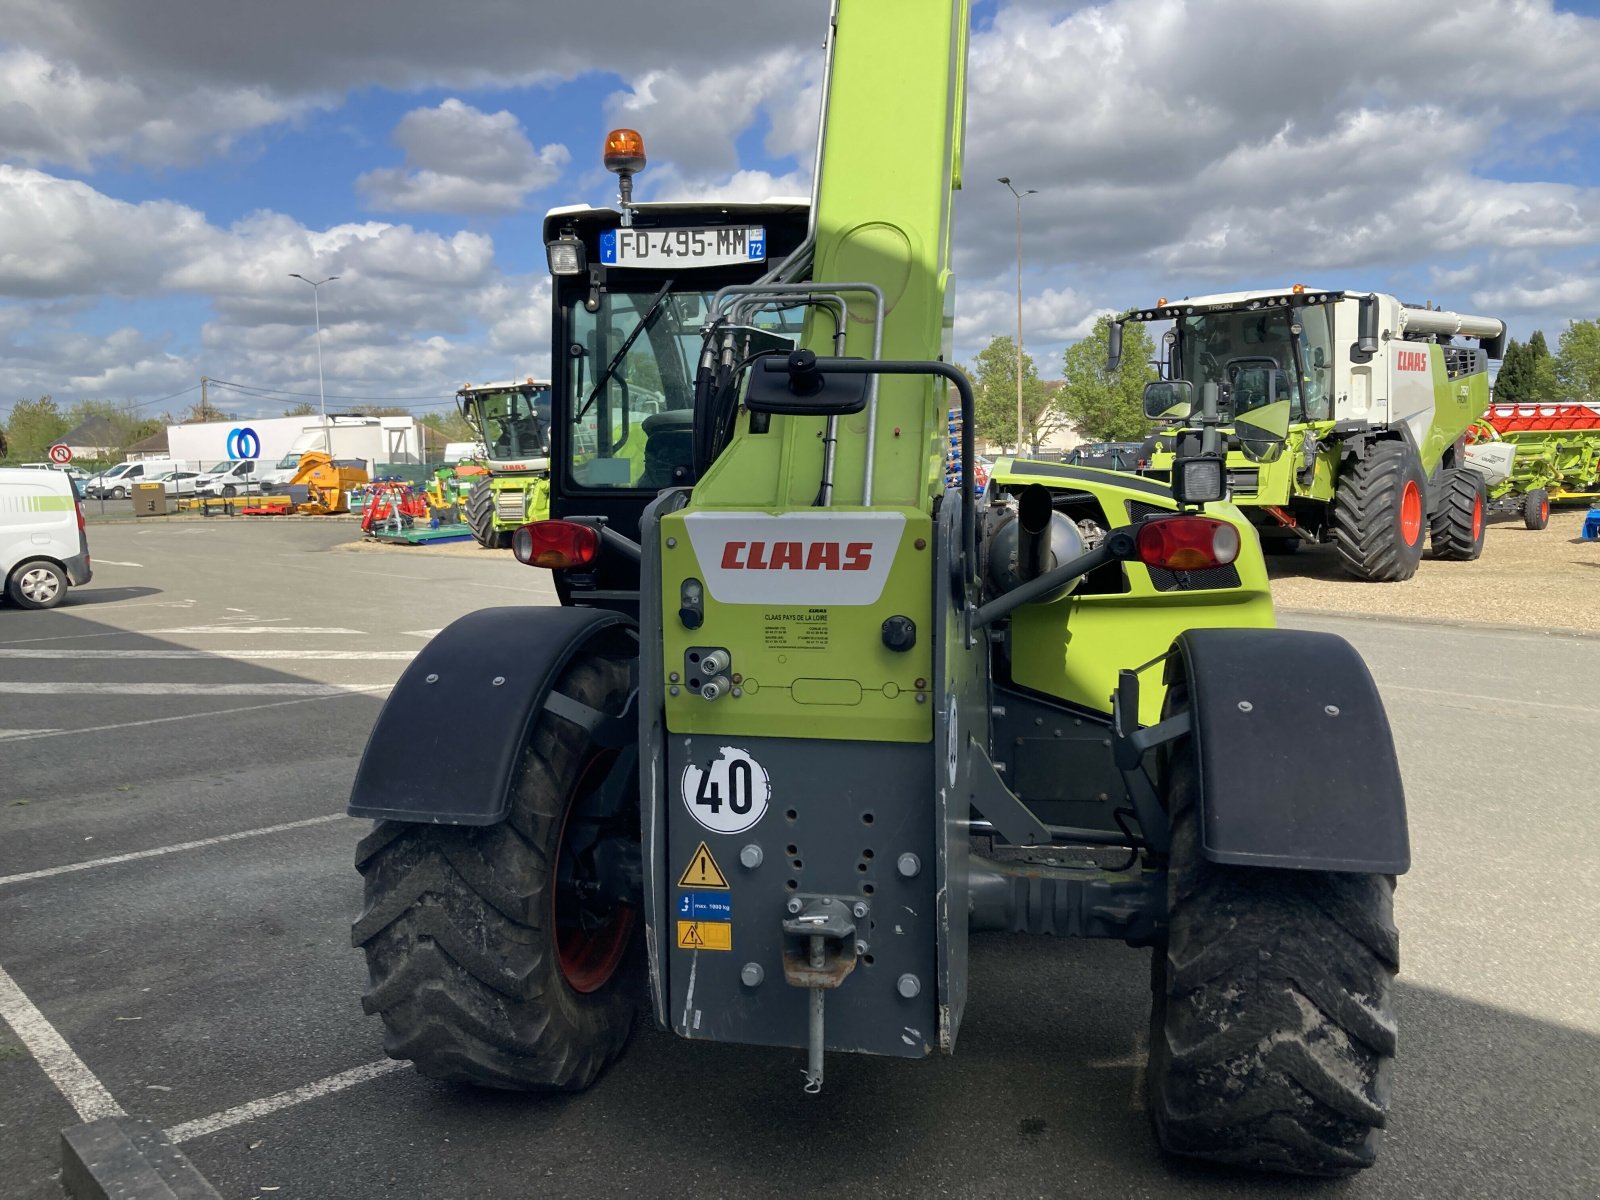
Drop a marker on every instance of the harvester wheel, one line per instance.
(1536, 509)
(500, 955)
(480, 518)
(1379, 514)
(1271, 1034)
(1457, 525)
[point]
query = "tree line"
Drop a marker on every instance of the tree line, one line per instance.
(36, 425)
(1105, 406)
(1530, 374)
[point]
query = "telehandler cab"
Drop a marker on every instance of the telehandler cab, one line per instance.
(806, 718)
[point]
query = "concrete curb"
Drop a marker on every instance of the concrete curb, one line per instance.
(128, 1158)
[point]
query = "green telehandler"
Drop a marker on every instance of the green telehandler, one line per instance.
(806, 718)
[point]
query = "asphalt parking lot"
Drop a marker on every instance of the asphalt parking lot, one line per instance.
(176, 889)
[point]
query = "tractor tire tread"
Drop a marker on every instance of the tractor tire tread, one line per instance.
(1451, 526)
(1272, 1038)
(480, 511)
(461, 964)
(1366, 523)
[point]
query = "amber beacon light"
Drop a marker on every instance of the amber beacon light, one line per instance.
(624, 151)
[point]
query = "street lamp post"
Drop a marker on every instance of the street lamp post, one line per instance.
(1006, 179)
(316, 309)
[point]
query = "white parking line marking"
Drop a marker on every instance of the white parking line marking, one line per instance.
(1575, 710)
(111, 860)
(421, 633)
(11, 733)
(68, 637)
(111, 562)
(86, 1094)
(230, 1117)
(220, 655)
(184, 689)
(32, 735)
(253, 629)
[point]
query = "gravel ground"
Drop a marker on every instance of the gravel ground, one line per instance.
(1544, 579)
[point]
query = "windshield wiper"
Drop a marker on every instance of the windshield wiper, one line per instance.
(604, 377)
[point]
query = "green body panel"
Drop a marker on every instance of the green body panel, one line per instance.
(889, 166)
(1072, 649)
(810, 670)
(537, 488)
(1564, 462)
(1457, 403)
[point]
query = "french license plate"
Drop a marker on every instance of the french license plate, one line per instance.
(678, 248)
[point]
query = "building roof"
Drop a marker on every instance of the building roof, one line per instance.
(154, 444)
(96, 431)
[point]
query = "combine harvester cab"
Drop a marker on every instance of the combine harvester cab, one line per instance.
(1346, 415)
(807, 716)
(512, 421)
(1533, 454)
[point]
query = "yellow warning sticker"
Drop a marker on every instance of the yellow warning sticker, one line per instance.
(703, 872)
(705, 935)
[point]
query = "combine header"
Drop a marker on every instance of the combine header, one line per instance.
(1532, 454)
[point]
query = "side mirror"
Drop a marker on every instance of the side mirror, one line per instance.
(1264, 431)
(1168, 400)
(1114, 347)
(792, 383)
(1366, 329)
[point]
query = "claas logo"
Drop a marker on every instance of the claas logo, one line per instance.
(1411, 360)
(796, 556)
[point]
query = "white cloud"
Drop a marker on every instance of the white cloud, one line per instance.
(458, 159)
(52, 112)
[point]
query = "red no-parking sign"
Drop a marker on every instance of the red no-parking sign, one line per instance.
(61, 454)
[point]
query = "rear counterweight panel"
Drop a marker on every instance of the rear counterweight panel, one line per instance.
(825, 818)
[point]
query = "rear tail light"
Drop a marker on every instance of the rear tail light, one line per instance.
(1185, 543)
(558, 545)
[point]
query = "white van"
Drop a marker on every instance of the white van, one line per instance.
(116, 483)
(44, 548)
(228, 479)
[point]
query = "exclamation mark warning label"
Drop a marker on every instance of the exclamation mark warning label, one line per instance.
(702, 871)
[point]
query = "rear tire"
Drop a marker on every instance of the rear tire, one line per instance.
(1457, 527)
(479, 964)
(1378, 514)
(480, 518)
(37, 583)
(1536, 509)
(1271, 1035)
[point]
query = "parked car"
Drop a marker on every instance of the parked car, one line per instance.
(1112, 456)
(44, 547)
(178, 483)
(229, 479)
(116, 483)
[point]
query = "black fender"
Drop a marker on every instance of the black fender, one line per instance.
(448, 742)
(1296, 761)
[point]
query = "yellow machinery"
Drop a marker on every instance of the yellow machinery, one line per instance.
(327, 483)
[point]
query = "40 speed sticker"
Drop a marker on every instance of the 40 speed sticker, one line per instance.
(730, 795)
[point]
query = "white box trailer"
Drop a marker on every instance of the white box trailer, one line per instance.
(275, 444)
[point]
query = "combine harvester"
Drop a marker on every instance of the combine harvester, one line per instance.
(1533, 454)
(1346, 416)
(806, 716)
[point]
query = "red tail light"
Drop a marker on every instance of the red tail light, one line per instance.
(78, 504)
(558, 545)
(1187, 543)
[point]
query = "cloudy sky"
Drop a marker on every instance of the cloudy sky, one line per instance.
(164, 165)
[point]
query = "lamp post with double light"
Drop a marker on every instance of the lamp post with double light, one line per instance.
(316, 311)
